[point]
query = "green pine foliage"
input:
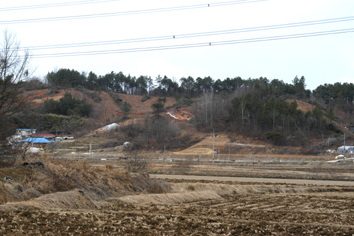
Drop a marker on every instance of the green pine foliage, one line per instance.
(167, 87)
(145, 98)
(115, 97)
(68, 105)
(126, 108)
(48, 122)
(158, 107)
(276, 118)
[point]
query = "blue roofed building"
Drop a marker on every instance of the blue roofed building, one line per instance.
(41, 142)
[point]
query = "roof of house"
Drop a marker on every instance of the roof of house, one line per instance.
(43, 135)
(26, 129)
(36, 140)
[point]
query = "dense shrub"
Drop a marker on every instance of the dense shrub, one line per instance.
(109, 144)
(183, 101)
(68, 105)
(115, 97)
(53, 90)
(49, 122)
(145, 98)
(275, 137)
(95, 96)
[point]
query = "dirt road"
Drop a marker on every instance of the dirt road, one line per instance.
(255, 180)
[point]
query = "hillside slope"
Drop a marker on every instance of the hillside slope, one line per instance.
(105, 109)
(305, 107)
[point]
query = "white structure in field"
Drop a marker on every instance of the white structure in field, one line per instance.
(110, 127)
(14, 138)
(126, 145)
(345, 149)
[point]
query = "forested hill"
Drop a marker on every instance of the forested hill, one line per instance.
(337, 93)
(254, 107)
(164, 86)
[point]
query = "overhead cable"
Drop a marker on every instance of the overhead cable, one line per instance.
(218, 43)
(58, 4)
(110, 14)
(201, 34)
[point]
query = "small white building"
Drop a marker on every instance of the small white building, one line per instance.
(25, 132)
(345, 149)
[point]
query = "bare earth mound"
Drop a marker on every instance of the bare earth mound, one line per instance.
(205, 147)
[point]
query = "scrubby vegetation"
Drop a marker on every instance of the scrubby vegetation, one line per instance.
(115, 97)
(156, 133)
(145, 98)
(68, 105)
(49, 122)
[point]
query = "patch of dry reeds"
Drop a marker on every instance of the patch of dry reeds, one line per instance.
(3, 194)
(63, 174)
(137, 163)
(109, 166)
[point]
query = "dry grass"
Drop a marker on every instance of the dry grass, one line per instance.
(65, 175)
(171, 198)
(64, 200)
(109, 166)
(188, 192)
(205, 147)
(3, 194)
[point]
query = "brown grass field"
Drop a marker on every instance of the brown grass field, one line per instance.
(78, 197)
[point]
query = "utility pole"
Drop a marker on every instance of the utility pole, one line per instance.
(75, 142)
(213, 145)
(344, 142)
(91, 145)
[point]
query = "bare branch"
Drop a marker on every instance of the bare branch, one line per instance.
(14, 68)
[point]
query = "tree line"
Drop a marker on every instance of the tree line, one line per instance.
(164, 86)
(337, 93)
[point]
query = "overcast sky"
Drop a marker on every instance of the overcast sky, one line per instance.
(321, 59)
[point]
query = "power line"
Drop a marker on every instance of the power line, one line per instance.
(201, 34)
(182, 46)
(59, 4)
(198, 6)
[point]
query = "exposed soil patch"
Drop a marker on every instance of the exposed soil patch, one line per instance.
(271, 211)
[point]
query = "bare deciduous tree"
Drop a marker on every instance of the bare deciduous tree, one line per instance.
(14, 68)
(209, 109)
(137, 163)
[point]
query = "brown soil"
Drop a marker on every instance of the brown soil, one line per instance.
(303, 106)
(305, 170)
(205, 147)
(239, 147)
(198, 208)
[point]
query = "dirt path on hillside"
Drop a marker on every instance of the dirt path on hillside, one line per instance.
(205, 147)
(254, 180)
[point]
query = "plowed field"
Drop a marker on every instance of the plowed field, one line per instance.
(218, 208)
